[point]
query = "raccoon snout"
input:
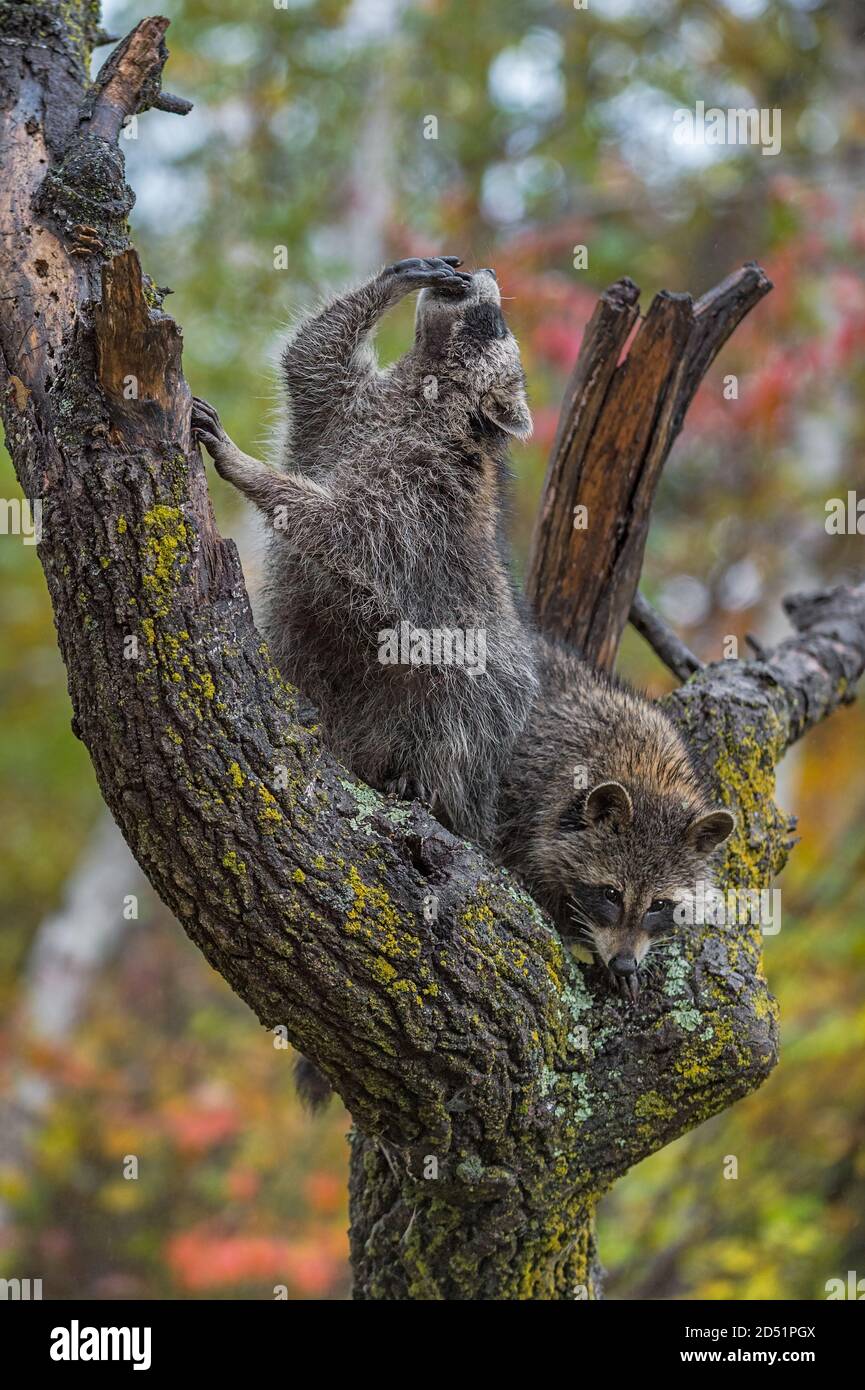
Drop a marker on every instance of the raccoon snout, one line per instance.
(625, 972)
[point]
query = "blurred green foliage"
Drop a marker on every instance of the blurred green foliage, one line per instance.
(553, 129)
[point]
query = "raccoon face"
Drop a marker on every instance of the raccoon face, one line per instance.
(625, 861)
(470, 332)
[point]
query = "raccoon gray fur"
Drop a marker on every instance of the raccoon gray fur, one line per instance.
(389, 511)
(604, 815)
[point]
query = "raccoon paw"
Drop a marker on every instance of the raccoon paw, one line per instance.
(206, 427)
(628, 987)
(407, 788)
(431, 272)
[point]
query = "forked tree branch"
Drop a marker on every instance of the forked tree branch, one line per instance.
(419, 976)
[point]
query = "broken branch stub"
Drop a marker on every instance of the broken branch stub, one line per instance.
(618, 424)
(130, 81)
(549, 580)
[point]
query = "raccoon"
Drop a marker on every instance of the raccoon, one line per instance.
(604, 815)
(389, 599)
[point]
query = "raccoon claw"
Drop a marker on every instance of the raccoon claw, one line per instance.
(206, 428)
(407, 789)
(628, 987)
(205, 415)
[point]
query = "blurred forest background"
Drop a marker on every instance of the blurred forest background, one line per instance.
(554, 129)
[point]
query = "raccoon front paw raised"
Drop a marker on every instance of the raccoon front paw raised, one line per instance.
(431, 272)
(206, 428)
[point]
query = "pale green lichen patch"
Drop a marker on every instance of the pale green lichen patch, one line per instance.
(471, 1170)
(581, 1108)
(677, 974)
(688, 1019)
(574, 991)
(366, 800)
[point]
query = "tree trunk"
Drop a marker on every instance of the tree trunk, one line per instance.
(524, 1232)
(496, 1087)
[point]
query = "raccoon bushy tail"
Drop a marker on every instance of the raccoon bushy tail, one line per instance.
(312, 1085)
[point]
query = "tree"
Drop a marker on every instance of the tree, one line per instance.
(496, 1088)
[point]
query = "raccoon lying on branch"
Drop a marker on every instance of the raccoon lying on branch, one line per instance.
(603, 814)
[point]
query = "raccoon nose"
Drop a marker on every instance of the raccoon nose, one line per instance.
(624, 971)
(623, 965)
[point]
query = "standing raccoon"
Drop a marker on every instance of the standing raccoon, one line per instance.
(388, 542)
(603, 814)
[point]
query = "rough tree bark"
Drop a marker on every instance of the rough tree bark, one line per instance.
(471, 1039)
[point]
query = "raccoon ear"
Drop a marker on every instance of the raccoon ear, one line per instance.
(609, 803)
(711, 830)
(508, 408)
